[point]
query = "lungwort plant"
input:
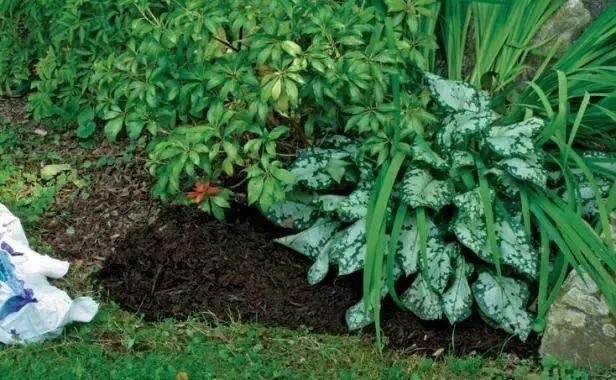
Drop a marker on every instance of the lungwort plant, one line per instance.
(471, 216)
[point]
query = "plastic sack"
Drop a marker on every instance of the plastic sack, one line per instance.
(31, 309)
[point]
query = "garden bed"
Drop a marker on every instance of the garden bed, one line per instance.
(186, 264)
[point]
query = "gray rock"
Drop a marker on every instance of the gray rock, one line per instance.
(579, 325)
(566, 25)
(596, 7)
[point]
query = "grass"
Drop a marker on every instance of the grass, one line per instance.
(120, 345)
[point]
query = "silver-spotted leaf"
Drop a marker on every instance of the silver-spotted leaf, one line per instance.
(439, 269)
(457, 95)
(291, 214)
(348, 248)
(457, 299)
(310, 242)
(422, 152)
(312, 168)
(420, 189)
(524, 169)
(319, 268)
(503, 300)
(422, 300)
(515, 139)
(458, 127)
(327, 203)
(356, 316)
(407, 253)
(355, 206)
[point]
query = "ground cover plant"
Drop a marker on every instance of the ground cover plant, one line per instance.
(474, 185)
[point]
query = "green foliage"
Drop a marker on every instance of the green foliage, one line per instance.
(234, 74)
(469, 164)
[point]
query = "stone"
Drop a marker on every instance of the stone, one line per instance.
(579, 326)
(566, 25)
(596, 7)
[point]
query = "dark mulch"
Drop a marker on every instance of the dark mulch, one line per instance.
(186, 264)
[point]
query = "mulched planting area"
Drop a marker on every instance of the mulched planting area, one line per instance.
(187, 263)
(175, 262)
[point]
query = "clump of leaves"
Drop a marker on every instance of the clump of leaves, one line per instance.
(458, 221)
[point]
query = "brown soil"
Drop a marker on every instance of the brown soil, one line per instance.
(187, 263)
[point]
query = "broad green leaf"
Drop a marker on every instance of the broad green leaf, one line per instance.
(515, 139)
(113, 128)
(420, 189)
(457, 299)
(310, 242)
(348, 248)
(503, 300)
(457, 95)
(50, 171)
(422, 300)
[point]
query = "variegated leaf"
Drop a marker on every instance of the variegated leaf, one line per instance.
(524, 169)
(420, 189)
(355, 206)
(422, 152)
(348, 248)
(327, 203)
(503, 300)
(422, 300)
(310, 242)
(319, 268)
(515, 248)
(457, 95)
(311, 169)
(460, 159)
(439, 268)
(515, 139)
(291, 214)
(457, 299)
(407, 252)
(458, 127)
(357, 317)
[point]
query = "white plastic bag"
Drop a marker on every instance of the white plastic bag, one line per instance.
(31, 309)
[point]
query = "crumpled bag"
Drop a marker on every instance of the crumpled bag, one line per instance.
(31, 309)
